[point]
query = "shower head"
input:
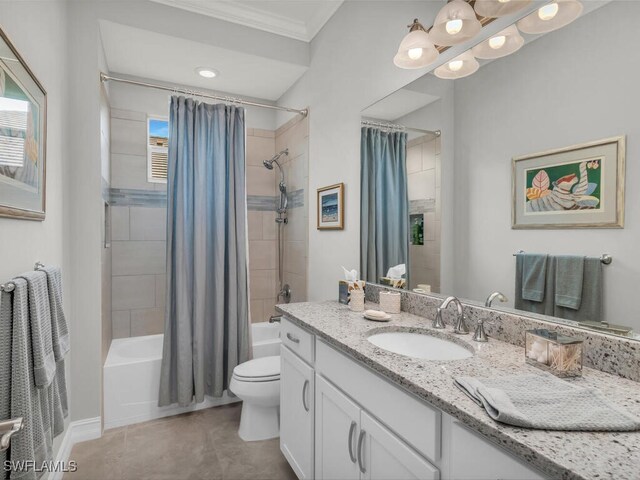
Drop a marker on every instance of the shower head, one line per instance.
(269, 163)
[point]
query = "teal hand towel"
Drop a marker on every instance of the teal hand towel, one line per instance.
(569, 276)
(592, 292)
(534, 274)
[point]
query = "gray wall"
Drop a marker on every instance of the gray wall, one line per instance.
(574, 85)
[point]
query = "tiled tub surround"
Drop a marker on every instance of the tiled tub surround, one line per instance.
(566, 455)
(294, 135)
(138, 224)
(616, 355)
(263, 197)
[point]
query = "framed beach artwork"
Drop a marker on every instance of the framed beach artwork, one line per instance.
(331, 207)
(23, 134)
(581, 186)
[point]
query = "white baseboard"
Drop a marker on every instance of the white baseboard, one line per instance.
(76, 432)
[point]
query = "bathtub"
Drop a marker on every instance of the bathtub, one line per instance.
(132, 377)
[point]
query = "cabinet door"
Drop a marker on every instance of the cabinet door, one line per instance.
(383, 456)
(475, 458)
(296, 413)
(337, 420)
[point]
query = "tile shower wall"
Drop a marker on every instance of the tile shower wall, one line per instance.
(423, 172)
(138, 224)
(138, 219)
(263, 256)
(294, 135)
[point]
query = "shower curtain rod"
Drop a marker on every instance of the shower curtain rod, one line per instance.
(395, 126)
(108, 78)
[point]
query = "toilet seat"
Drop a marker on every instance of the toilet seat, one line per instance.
(264, 369)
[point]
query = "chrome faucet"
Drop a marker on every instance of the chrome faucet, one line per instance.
(460, 325)
(479, 335)
(493, 296)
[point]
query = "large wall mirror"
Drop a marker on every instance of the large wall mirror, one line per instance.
(512, 179)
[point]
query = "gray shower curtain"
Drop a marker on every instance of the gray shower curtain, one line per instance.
(384, 203)
(207, 319)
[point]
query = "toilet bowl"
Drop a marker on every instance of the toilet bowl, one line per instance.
(257, 384)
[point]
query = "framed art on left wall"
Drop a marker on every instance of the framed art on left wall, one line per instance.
(23, 135)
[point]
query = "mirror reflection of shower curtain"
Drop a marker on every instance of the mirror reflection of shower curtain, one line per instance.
(207, 307)
(384, 203)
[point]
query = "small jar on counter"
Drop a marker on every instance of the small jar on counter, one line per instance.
(558, 354)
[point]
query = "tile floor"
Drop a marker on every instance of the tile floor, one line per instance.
(199, 445)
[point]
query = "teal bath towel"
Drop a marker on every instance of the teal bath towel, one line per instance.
(534, 273)
(590, 308)
(569, 275)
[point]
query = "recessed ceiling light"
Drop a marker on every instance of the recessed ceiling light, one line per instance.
(206, 72)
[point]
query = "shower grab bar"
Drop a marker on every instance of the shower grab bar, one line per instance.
(605, 258)
(11, 286)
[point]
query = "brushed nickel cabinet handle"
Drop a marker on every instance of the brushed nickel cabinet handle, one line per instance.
(352, 429)
(360, 454)
(292, 338)
(304, 395)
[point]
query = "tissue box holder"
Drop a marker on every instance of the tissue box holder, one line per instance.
(393, 282)
(557, 354)
(345, 287)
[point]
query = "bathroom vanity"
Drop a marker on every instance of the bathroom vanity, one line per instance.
(350, 409)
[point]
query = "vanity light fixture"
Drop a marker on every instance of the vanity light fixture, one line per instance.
(206, 72)
(499, 8)
(459, 67)
(416, 49)
(455, 23)
(501, 44)
(551, 16)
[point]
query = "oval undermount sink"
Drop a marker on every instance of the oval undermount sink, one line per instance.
(418, 345)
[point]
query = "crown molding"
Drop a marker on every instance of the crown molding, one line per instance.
(260, 19)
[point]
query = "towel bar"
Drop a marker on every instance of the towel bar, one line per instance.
(10, 286)
(605, 258)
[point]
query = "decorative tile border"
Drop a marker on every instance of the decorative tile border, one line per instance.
(296, 198)
(616, 355)
(124, 197)
(261, 203)
(419, 206)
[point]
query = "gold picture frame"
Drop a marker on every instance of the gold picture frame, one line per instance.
(330, 209)
(23, 106)
(580, 186)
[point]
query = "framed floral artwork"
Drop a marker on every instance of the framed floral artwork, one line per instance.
(581, 186)
(23, 134)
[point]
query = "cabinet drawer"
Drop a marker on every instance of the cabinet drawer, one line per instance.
(416, 422)
(298, 340)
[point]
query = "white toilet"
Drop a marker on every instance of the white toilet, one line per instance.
(257, 384)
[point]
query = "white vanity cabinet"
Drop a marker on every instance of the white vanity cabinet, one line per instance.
(297, 413)
(340, 420)
(472, 457)
(352, 445)
(337, 428)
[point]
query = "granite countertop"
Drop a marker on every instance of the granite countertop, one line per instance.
(566, 455)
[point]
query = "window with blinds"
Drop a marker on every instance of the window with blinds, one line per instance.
(157, 149)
